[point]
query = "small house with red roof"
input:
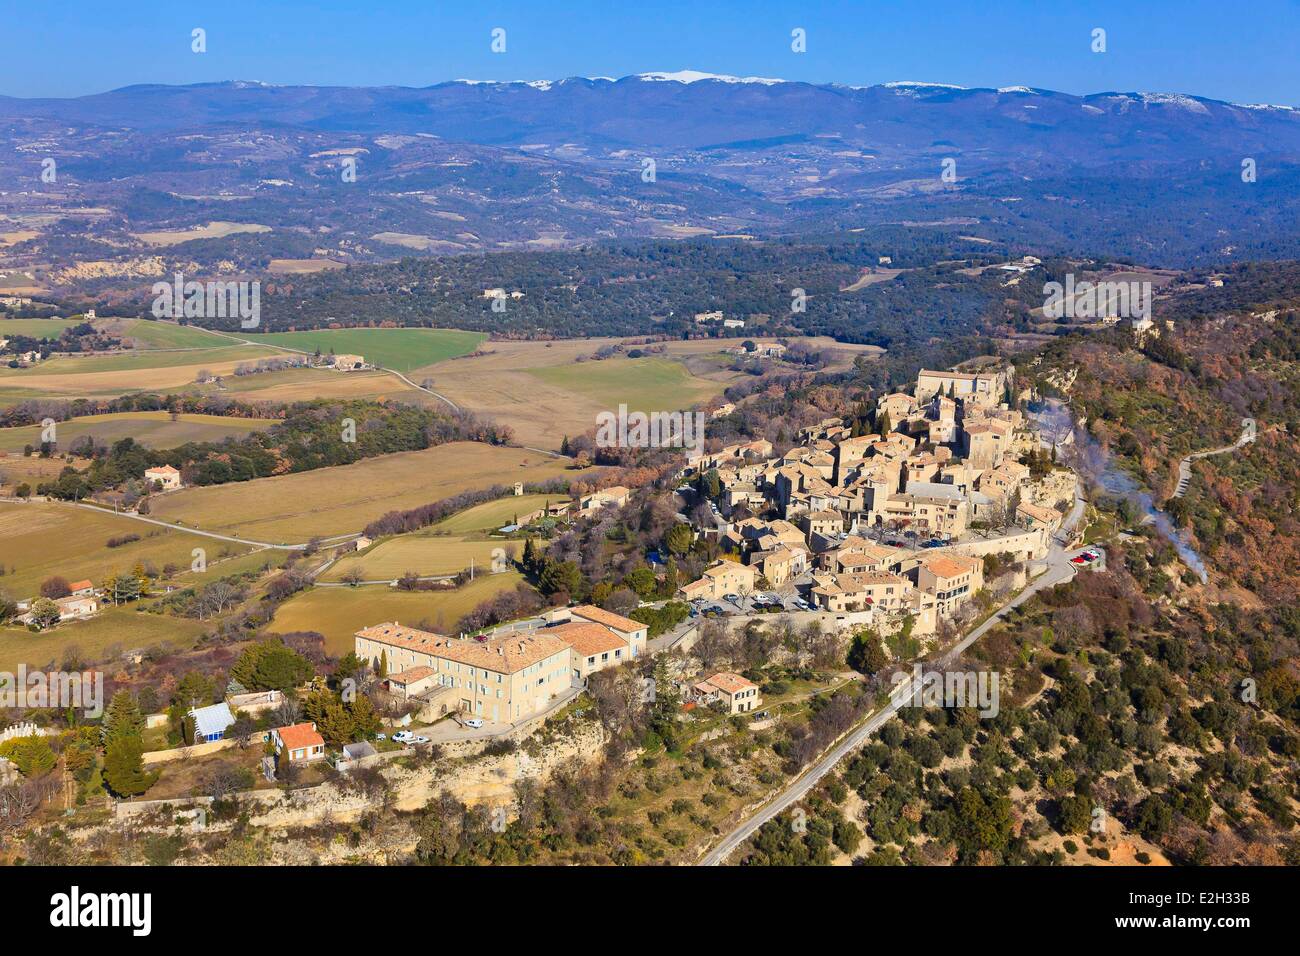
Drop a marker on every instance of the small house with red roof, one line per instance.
(298, 743)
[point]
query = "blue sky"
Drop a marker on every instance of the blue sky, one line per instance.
(1244, 52)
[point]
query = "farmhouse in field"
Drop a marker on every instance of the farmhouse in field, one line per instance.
(77, 606)
(349, 363)
(165, 476)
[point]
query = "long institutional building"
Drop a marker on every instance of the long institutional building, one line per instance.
(512, 674)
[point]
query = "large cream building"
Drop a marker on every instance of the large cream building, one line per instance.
(507, 677)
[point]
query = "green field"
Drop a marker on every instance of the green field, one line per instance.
(644, 385)
(39, 540)
(339, 613)
(36, 328)
(155, 429)
(149, 334)
(116, 629)
(306, 384)
(400, 349)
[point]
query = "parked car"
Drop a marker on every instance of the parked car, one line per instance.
(381, 736)
(418, 739)
(475, 722)
(403, 737)
(733, 598)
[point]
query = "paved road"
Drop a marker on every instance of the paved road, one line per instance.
(1059, 570)
(1185, 466)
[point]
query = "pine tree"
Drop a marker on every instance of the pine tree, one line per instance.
(124, 772)
(679, 539)
(122, 719)
(670, 579)
(382, 670)
(365, 720)
(335, 724)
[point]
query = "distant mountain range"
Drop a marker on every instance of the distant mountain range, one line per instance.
(691, 110)
(475, 165)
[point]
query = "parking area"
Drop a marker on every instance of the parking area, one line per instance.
(770, 602)
(1088, 559)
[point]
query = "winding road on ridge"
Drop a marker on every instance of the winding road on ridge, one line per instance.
(1185, 466)
(1059, 570)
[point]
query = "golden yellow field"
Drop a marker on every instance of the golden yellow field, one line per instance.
(16, 469)
(117, 375)
(213, 230)
(339, 613)
(422, 553)
(301, 266)
(155, 429)
(543, 392)
(492, 515)
(115, 630)
(39, 540)
(290, 509)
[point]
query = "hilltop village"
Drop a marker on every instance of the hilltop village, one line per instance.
(889, 525)
(890, 530)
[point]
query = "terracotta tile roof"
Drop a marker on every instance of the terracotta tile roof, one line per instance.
(503, 654)
(300, 736)
(718, 570)
(411, 675)
(80, 585)
(162, 470)
(950, 566)
(618, 622)
(867, 578)
(729, 682)
(1047, 515)
(587, 638)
